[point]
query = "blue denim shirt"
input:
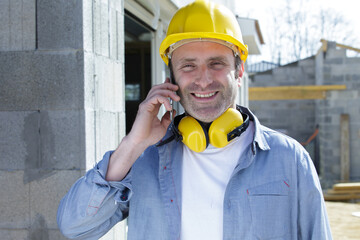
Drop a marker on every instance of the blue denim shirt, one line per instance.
(273, 193)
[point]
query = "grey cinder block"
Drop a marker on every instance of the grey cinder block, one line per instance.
(11, 234)
(13, 147)
(45, 196)
(59, 24)
(41, 80)
(14, 201)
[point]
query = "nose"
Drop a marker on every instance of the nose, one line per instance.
(204, 77)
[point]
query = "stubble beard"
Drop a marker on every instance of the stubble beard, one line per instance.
(208, 112)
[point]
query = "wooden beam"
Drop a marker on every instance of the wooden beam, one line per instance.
(291, 92)
(348, 186)
(341, 197)
(324, 46)
(345, 147)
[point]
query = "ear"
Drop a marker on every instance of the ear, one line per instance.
(241, 73)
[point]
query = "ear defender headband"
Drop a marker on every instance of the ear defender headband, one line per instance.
(221, 132)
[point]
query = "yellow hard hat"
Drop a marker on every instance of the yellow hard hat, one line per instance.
(203, 19)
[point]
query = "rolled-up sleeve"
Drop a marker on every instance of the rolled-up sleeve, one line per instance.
(93, 205)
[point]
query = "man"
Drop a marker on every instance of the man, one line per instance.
(214, 172)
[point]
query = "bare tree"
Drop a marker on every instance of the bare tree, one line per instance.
(295, 30)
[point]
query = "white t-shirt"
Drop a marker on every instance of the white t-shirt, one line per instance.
(204, 179)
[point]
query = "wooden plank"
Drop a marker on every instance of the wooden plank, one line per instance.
(345, 147)
(347, 186)
(284, 95)
(342, 191)
(303, 87)
(291, 92)
(342, 197)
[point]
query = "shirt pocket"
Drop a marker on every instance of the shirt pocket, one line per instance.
(270, 210)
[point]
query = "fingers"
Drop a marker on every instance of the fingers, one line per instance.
(157, 96)
(166, 86)
(160, 94)
(163, 93)
(156, 101)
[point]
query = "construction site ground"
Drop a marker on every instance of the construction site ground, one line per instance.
(344, 225)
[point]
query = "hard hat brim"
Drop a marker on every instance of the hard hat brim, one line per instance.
(173, 38)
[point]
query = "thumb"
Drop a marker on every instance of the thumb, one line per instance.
(165, 120)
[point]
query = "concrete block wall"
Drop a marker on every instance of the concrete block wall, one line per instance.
(61, 105)
(338, 69)
(296, 118)
(293, 74)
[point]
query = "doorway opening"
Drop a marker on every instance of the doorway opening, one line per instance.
(137, 66)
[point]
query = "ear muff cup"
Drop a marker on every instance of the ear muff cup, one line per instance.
(220, 127)
(193, 134)
(197, 138)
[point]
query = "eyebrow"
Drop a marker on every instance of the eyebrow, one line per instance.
(216, 58)
(184, 60)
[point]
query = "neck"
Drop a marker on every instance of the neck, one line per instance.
(204, 124)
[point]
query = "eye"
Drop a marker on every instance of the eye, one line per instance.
(217, 65)
(188, 67)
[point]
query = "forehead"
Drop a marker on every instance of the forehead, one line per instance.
(202, 50)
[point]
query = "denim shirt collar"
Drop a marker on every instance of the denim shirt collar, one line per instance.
(259, 138)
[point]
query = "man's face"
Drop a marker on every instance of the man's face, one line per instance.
(205, 74)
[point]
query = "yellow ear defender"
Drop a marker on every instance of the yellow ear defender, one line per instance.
(193, 134)
(222, 130)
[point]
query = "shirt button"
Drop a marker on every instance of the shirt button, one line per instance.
(229, 204)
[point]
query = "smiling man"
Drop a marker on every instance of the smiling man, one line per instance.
(214, 172)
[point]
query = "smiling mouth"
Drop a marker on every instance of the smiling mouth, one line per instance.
(198, 95)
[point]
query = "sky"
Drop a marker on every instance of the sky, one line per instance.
(261, 10)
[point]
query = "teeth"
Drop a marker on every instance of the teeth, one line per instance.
(204, 95)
